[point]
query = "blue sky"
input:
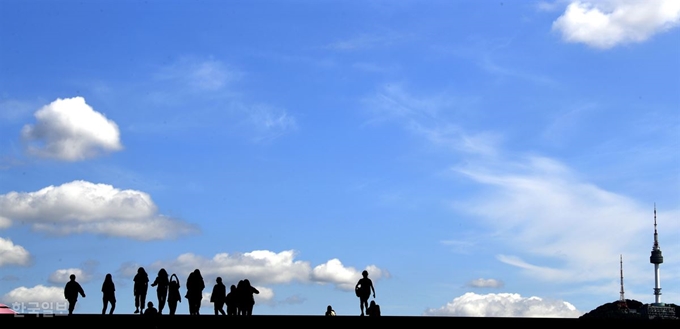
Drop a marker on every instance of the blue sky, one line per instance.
(471, 155)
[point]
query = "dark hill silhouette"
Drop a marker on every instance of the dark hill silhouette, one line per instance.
(614, 311)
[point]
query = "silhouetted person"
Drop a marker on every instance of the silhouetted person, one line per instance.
(71, 292)
(109, 294)
(232, 301)
(150, 310)
(218, 296)
(195, 286)
(373, 310)
(329, 311)
(173, 294)
(162, 282)
(140, 289)
(363, 290)
(245, 294)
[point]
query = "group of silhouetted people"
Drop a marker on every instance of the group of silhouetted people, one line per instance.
(239, 300)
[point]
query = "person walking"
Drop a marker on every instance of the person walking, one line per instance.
(71, 292)
(363, 290)
(218, 296)
(109, 294)
(162, 282)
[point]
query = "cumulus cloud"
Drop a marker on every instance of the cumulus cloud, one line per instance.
(344, 278)
(63, 275)
(607, 23)
(505, 305)
(38, 294)
(5, 223)
(485, 283)
(71, 130)
(261, 266)
(265, 296)
(264, 267)
(11, 254)
(84, 207)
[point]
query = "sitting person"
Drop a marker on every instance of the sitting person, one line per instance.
(329, 311)
(150, 310)
(373, 309)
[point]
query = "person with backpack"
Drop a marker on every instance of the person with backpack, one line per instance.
(363, 291)
(330, 311)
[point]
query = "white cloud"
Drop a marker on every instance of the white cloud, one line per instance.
(505, 305)
(545, 212)
(344, 278)
(485, 283)
(11, 254)
(5, 222)
(63, 276)
(69, 129)
(264, 267)
(84, 207)
(38, 294)
(607, 23)
(259, 266)
(265, 296)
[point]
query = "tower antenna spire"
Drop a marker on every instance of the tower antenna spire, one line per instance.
(621, 297)
(656, 258)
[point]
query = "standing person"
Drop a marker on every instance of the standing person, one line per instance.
(195, 286)
(240, 299)
(247, 295)
(190, 292)
(140, 289)
(71, 291)
(219, 293)
(173, 294)
(162, 291)
(232, 301)
(363, 290)
(109, 292)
